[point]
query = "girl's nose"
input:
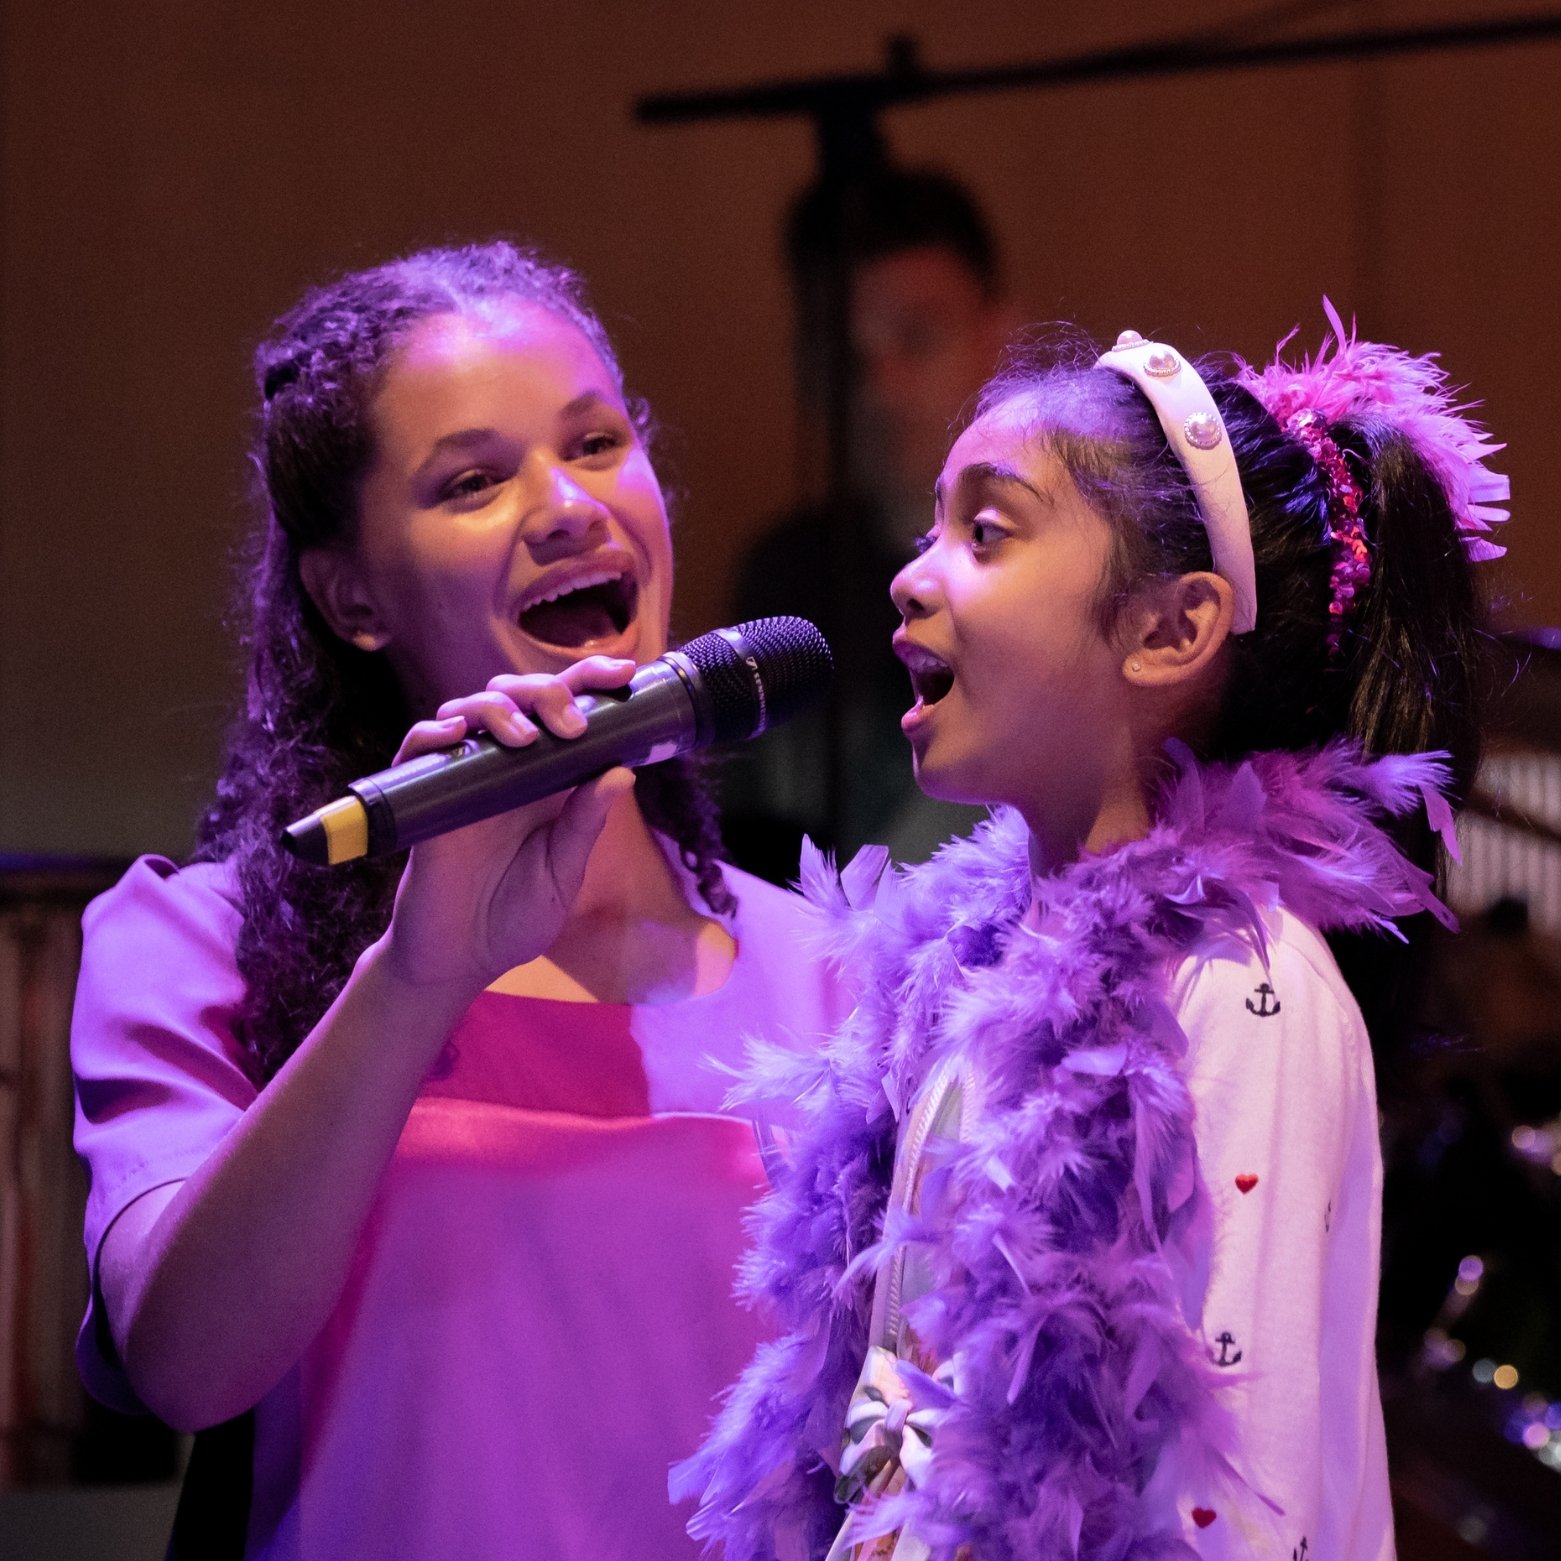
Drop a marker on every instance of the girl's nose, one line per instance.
(914, 589)
(561, 513)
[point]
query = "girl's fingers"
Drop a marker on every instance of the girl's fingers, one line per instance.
(506, 707)
(599, 672)
(552, 699)
(578, 824)
(429, 737)
(553, 703)
(494, 712)
(589, 672)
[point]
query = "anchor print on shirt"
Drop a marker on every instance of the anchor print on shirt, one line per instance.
(1261, 1006)
(1302, 1552)
(1225, 1341)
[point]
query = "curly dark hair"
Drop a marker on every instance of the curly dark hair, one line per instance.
(1409, 668)
(319, 712)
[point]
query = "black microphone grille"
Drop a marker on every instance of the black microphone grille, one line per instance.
(760, 673)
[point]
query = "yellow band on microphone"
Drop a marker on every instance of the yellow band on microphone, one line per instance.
(346, 826)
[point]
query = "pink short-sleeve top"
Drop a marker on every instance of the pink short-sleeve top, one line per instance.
(539, 1315)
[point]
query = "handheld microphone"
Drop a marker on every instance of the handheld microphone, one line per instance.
(723, 686)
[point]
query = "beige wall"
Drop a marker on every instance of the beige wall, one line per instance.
(175, 172)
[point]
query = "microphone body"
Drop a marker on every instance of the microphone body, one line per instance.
(651, 718)
(723, 686)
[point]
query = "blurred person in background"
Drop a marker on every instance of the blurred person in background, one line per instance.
(929, 318)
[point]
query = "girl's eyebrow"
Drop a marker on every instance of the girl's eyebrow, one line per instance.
(990, 472)
(585, 401)
(465, 439)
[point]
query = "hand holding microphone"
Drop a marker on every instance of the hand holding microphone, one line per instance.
(725, 686)
(495, 890)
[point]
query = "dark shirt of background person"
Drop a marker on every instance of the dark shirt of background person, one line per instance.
(929, 320)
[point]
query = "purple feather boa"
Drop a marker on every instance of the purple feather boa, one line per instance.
(1047, 1227)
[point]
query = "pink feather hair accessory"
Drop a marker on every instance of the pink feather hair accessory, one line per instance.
(1349, 377)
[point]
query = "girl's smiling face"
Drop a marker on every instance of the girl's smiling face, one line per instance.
(510, 520)
(1020, 693)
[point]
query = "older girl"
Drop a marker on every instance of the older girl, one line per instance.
(409, 1177)
(1080, 1250)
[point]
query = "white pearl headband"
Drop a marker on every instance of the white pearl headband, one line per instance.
(1196, 434)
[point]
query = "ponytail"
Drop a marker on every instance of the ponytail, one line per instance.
(1399, 671)
(1418, 637)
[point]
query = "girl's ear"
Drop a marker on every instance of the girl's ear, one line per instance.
(1176, 628)
(335, 585)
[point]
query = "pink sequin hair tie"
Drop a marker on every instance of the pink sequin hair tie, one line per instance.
(1351, 557)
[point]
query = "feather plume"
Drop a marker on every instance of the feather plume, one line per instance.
(1349, 377)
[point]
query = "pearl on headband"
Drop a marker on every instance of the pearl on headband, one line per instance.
(1196, 434)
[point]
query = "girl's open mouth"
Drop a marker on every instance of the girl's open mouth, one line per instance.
(931, 676)
(595, 605)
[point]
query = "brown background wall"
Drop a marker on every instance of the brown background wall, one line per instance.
(175, 172)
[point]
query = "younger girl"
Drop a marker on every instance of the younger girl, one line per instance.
(1080, 1247)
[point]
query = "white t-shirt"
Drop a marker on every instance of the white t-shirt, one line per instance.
(1284, 1285)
